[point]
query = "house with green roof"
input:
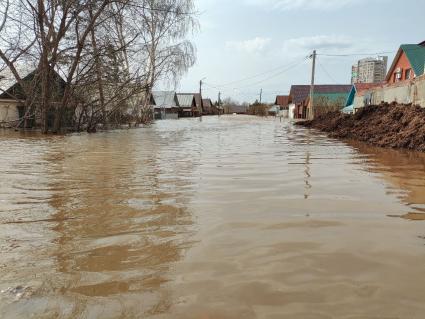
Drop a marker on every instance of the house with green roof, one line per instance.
(325, 102)
(408, 63)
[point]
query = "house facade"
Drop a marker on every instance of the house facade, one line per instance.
(13, 101)
(198, 104)
(187, 104)
(408, 64)
(217, 109)
(10, 112)
(369, 70)
(282, 102)
(165, 105)
(405, 81)
(359, 96)
(207, 106)
(327, 102)
(326, 98)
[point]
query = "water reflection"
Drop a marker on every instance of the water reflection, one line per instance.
(231, 217)
(115, 224)
(404, 173)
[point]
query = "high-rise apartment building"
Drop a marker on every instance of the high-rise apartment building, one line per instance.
(369, 70)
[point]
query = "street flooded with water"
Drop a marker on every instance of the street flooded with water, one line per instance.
(224, 217)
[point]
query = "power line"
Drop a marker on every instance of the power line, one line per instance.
(278, 74)
(355, 54)
(228, 84)
(369, 54)
(251, 93)
(289, 67)
(327, 73)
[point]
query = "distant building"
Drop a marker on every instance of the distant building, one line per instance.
(360, 96)
(198, 103)
(282, 101)
(325, 97)
(13, 101)
(207, 106)
(165, 105)
(369, 70)
(187, 104)
(216, 109)
(235, 109)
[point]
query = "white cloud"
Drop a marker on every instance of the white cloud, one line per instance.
(305, 4)
(318, 42)
(255, 45)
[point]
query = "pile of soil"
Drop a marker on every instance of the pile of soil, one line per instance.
(386, 125)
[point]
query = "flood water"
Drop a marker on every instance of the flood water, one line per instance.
(230, 217)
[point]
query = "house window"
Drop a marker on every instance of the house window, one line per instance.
(408, 74)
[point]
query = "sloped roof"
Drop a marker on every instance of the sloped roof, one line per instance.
(282, 100)
(332, 97)
(165, 99)
(186, 99)
(15, 91)
(198, 100)
(360, 87)
(207, 103)
(300, 93)
(415, 54)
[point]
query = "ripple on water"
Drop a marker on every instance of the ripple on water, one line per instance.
(230, 217)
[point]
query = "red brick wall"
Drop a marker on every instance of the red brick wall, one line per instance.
(404, 64)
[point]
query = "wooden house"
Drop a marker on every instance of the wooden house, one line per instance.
(165, 105)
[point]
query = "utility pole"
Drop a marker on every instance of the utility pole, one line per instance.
(313, 71)
(219, 103)
(200, 93)
(261, 95)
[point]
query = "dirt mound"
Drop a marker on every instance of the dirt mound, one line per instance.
(386, 125)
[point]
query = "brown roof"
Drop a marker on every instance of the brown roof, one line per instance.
(282, 100)
(207, 103)
(299, 93)
(360, 87)
(198, 100)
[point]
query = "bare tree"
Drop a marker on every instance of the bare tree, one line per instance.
(164, 25)
(106, 56)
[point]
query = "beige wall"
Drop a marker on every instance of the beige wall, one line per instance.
(8, 113)
(404, 93)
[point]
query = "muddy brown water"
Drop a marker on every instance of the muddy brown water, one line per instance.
(230, 217)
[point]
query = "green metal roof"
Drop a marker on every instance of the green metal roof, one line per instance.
(331, 98)
(416, 56)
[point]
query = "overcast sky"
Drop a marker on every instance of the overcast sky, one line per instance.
(240, 39)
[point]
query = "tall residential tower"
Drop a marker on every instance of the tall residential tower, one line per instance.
(369, 70)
